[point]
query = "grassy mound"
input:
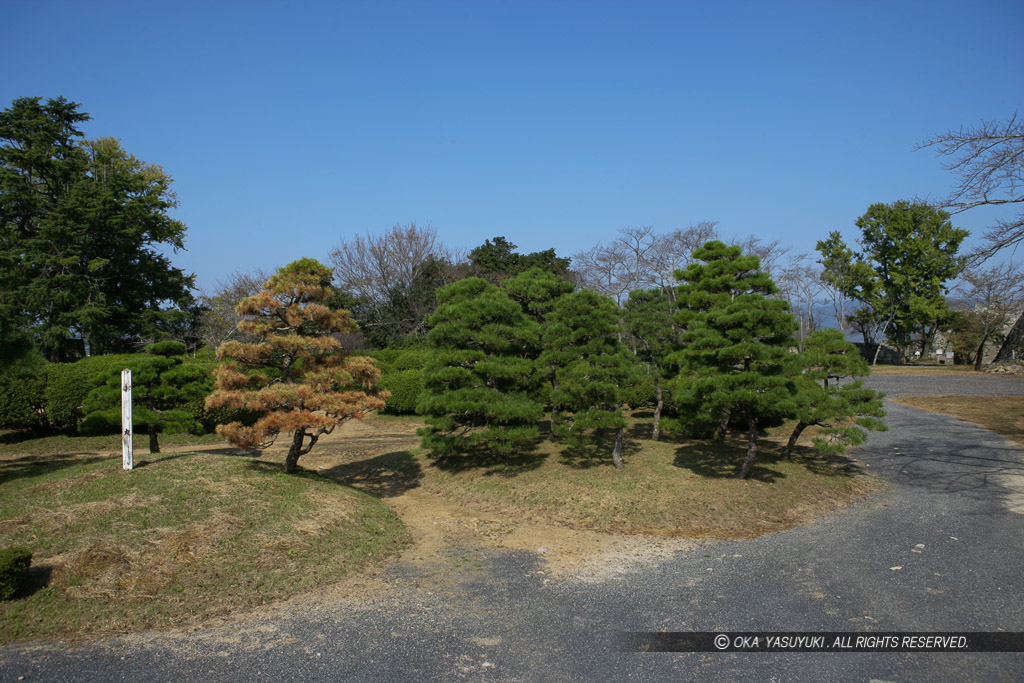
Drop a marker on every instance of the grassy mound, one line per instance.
(181, 538)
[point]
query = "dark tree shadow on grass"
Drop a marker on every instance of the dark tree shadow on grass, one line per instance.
(724, 461)
(38, 465)
(491, 463)
(595, 450)
(36, 579)
(383, 476)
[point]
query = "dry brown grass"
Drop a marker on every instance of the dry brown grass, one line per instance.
(668, 488)
(181, 538)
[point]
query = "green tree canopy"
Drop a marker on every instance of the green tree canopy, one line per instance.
(581, 340)
(495, 260)
(82, 228)
(479, 382)
(735, 345)
(825, 401)
(650, 321)
(908, 251)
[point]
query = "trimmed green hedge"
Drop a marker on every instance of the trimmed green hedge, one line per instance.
(67, 385)
(23, 402)
(405, 387)
(14, 563)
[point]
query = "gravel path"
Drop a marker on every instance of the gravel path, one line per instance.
(939, 550)
(966, 384)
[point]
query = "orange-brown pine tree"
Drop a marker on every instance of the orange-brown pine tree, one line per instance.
(296, 374)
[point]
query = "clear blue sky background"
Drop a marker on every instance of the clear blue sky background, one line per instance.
(288, 127)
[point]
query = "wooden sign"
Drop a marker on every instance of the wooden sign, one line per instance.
(126, 419)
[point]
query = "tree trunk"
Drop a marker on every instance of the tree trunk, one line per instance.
(293, 452)
(797, 431)
(1013, 347)
(617, 451)
(722, 426)
(751, 447)
(657, 412)
(878, 347)
(979, 360)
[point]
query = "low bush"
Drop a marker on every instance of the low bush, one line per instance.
(14, 563)
(67, 385)
(405, 387)
(23, 402)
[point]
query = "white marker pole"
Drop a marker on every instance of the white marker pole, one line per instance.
(126, 419)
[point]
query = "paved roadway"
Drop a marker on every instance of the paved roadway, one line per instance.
(945, 520)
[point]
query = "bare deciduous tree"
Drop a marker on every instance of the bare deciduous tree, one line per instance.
(373, 267)
(988, 162)
(640, 258)
(219, 320)
(389, 276)
(991, 297)
(800, 284)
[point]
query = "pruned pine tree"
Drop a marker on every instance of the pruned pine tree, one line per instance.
(536, 290)
(735, 345)
(161, 386)
(296, 374)
(582, 341)
(649, 317)
(841, 410)
(478, 385)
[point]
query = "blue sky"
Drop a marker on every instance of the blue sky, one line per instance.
(290, 126)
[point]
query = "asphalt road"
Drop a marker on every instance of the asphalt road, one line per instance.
(938, 550)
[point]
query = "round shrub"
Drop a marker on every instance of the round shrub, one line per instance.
(405, 387)
(14, 563)
(412, 359)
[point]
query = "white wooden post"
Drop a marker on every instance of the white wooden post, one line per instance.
(126, 419)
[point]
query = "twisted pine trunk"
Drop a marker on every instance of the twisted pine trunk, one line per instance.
(751, 447)
(657, 413)
(617, 451)
(797, 431)
(722, 426)
(294, 451)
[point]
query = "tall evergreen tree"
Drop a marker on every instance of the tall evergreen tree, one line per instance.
(735, 344)
(296, 374)
(908, 253)
(582, 341)
(478, 385)
(82, 229)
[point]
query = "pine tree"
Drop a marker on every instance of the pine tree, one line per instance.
(296, 374)
(824, 401)
(581, 341)
(649, 317)
(735, 344)
(478, 384)
(161, 386)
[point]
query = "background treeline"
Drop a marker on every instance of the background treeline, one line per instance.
(85, 229)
